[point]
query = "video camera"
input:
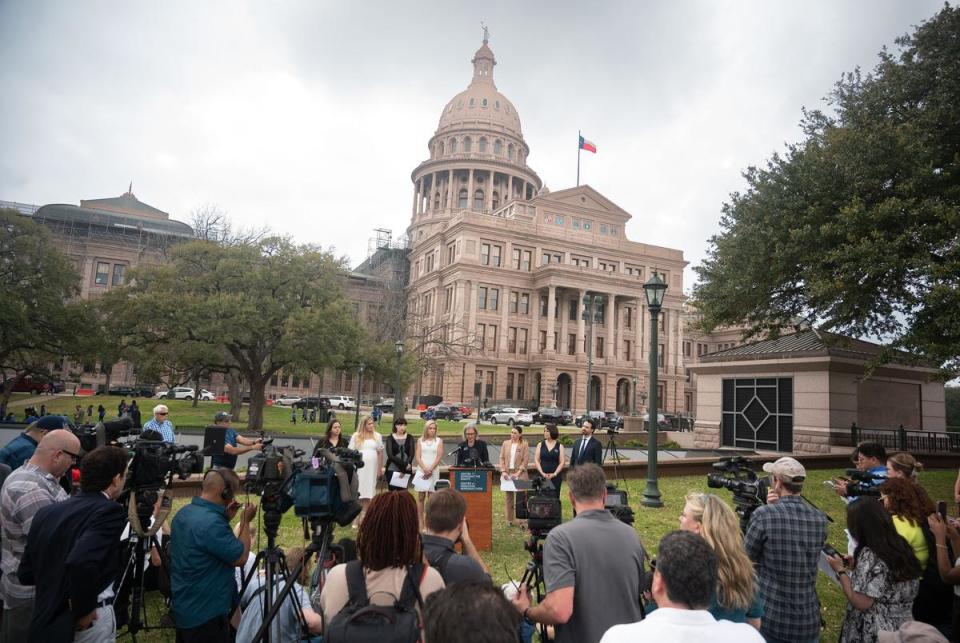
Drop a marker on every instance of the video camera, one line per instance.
(737, 475)
(864, 483)
(539, 507)
(92, 436)
(324, 489)
(618, 504)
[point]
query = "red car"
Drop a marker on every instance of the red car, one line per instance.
(465, 410)
(27, 384)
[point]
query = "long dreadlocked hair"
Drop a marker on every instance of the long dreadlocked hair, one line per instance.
(389, 535)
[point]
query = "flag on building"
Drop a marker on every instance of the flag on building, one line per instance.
(587, 145)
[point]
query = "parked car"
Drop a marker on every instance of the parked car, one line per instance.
(487, 413)
(287, 400)
(312, 402)
(597, 417)
(128, 391)
(552, 414)
(512, 415)
(442, 412)
(612, 420)
(385, 405)
(342, 402)
(30, 384)
(465, 411)
(662, 423)
(186, 393)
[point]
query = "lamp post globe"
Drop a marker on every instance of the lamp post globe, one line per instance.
(397, 393)
(655, 288)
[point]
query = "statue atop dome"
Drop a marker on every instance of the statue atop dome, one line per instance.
(486, 33)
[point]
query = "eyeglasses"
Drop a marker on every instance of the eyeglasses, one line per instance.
(75, 456)
(161, 414)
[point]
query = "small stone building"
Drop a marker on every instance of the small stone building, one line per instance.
(802, 392)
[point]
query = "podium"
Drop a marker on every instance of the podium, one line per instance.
(476, 485)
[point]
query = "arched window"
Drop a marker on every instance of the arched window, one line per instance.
(436, 200)
(483, 145)
(478, 200)
(467, 144)
(473, 101)
(510, 151)
(440, 149)
(462, 201)
(498, 147)
(453, 146)
(496, 200)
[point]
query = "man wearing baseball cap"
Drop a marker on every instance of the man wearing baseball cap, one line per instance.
(21, 448)
(784, 539)
(233, 443)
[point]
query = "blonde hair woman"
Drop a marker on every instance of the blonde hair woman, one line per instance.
(369, 443)
(428, 456)
(736, 598)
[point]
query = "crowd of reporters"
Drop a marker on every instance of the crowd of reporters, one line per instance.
(61, 554)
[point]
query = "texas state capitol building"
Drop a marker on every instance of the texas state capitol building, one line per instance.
(499, 265)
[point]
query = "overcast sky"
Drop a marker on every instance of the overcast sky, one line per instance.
(310, 116)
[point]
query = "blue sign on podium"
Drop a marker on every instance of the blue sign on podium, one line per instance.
(471, 481)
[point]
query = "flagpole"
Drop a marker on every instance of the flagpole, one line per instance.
(578, 158)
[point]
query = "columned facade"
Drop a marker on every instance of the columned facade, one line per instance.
(499, 268)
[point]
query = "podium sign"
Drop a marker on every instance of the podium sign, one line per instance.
(476, 485)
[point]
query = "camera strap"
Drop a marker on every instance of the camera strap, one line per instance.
(166, 505)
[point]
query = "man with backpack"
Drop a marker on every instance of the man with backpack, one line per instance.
(446, 525)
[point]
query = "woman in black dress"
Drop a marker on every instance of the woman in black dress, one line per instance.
(334, 436)
(400, 449)
(549, 457)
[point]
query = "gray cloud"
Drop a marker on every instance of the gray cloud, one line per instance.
(309, 117)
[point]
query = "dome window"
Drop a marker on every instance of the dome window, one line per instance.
(478, 200)
(498, 147)
(496, 200)
(496, 104)
(473, 102)
(462, 199)
(483, 103)
(453, 146)
(483, 145)
(510, 151)
(467, 145)
(440, 148)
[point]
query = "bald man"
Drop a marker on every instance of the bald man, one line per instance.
(203, 554)
(27, 490)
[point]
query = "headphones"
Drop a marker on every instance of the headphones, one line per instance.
(226, 494)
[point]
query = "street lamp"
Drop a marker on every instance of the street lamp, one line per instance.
(356, 412)
(655, 288)
(397, 395)
(634, 395)
(590, 314)
(555, 388)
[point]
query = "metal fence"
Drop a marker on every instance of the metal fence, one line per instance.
(903, 439)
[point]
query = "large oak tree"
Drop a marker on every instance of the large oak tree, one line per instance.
(856, 227)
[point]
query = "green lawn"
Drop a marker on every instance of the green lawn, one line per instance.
(508, 558)
(276, 419)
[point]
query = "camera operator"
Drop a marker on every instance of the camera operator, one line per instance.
(203, 553)
(286, 626)
(587, 448)
(784, 539)
(869, 458)
(21, 448)
(25, 491)
(234, 444)
(472, 452)
(72, 555)
(684, 585)
(592, 566)
(446, 524)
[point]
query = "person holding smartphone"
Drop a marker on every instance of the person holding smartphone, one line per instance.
(203, 554)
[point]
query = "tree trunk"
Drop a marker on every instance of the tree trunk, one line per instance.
(196, 388)
(235, 394)
(257, 387)
(108, 375)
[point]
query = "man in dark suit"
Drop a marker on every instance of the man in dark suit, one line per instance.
(587, 448)
(72, 555)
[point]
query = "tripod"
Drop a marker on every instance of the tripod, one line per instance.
(140, 543)
(533, 574)
(320, 545)
(275, 572)
(611, 450)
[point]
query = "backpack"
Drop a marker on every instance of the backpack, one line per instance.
(440, 563)
(361, 622)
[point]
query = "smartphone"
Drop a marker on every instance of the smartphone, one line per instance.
(942, 509)
(829, 550)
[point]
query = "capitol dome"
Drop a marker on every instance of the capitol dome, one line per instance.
(481, 101)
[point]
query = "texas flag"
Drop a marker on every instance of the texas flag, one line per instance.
(587, 145)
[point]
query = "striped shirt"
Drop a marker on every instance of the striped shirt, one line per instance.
(25, 492)
(164, 428)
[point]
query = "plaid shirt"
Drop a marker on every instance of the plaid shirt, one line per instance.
(165, 429)
(784, 541)
(25, 492)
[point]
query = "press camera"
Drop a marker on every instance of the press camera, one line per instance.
(737, 475)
